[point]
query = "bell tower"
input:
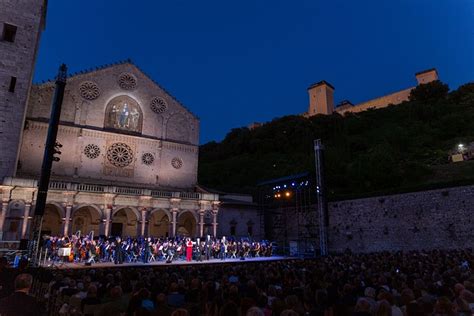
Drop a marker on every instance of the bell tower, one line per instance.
(21, 24)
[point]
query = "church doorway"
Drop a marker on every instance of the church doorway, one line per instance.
(125, 222)
(186, 225)
(85, 219)
(52, 222)
(159, 224)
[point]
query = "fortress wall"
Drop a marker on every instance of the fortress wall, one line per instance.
(394, 98)
(440, 219)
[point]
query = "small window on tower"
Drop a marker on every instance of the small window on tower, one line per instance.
(11, 88)
(9, 32)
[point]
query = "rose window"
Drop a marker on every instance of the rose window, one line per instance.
(176, 163)
(158, 105)
(120, 155)
(89, 90)
(127, 81)
(92, 151)
(148, 158)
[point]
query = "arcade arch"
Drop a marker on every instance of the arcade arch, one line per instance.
(125, 222)
(86, 219)
(186, 224)
(159, 224)
(52, 220)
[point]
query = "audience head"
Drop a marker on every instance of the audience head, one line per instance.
(23, 282)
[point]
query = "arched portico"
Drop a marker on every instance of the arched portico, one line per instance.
(187, 222)
(86, 218)
(125, 222)
(12, 228)
(159, 223)
(52, 220)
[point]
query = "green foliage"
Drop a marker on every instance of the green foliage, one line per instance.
(429, 92)
(386, 150)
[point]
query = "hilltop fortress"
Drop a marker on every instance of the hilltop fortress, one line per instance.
(321, 97)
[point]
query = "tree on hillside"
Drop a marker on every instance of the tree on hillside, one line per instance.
(429, 92)
(399, 147)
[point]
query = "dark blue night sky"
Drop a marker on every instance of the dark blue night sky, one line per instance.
(236, 62)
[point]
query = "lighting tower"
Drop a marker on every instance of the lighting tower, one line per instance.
(322, 204)
(51, 148)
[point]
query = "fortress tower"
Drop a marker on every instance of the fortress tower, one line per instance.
(21, 24)
(321, 98)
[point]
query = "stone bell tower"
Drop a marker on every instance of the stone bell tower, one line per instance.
(21, 24)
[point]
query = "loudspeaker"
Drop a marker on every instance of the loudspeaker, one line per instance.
(23, 244)
(88, 264)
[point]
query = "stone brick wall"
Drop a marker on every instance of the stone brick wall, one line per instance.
(17, 59)
(439, 219)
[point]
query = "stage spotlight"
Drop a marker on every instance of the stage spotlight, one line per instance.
(287, 193)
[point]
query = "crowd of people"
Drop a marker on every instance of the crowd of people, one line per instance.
(389, 283)
(86, 248)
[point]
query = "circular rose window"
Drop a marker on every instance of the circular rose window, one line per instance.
(120, 155)
(158, 105)
(148, 158)
(127, 81)
(89, 90)
(176, 162)
(92, 151)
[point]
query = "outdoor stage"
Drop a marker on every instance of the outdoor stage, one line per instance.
(78, 265)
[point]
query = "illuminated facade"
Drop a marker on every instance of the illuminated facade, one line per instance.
(128, 164)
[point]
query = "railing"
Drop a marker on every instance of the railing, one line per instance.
(129, 191)
(97, 188)
(53, 185)
(161, 194)
(90, 188)
(189, 195)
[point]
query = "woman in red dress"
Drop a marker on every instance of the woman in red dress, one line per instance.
(189, 249)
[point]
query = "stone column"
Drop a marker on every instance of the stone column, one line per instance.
(107, 214)
(201, 222)
(214, 223)
(67, 220)
(143, 212)
(174, 213)
(2, 217)
(26, 215)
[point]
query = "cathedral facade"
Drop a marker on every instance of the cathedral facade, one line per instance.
(128, 163)
(129, 155)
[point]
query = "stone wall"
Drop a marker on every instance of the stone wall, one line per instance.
(438, 219)
(17, 59)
